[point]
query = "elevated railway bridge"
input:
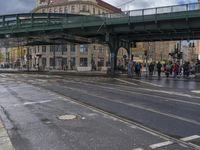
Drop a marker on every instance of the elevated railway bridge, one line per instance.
(179, 22)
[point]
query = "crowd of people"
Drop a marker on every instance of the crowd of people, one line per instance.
(175, 69)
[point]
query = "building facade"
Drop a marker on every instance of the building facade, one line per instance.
(72, 56)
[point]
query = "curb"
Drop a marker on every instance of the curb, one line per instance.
(5, 142)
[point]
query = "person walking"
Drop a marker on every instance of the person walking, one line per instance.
(151, 69)
(138, 68)
(175, 69)
(159, 67)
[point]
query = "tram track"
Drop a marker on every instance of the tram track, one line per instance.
(120, 118)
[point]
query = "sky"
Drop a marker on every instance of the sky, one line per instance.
(20, 6)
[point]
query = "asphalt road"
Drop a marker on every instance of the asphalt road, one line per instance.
(109, 113)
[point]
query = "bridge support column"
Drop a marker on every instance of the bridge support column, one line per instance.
(113, 43)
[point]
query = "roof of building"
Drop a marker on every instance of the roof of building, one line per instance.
(108, 6)
(99, 2)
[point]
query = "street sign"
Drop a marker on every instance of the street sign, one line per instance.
(137, 49)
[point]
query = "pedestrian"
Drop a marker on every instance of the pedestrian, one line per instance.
(151, 69)
(138, 68)
(175, 69)
(130, 65)
(159, 67)
(167, 69)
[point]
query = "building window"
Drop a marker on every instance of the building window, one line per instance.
(55, 10)
(101, 50)
(83, 62)
(50, 10)
(38, 49)
(43, 10)
(34, 49)
(64, 61)
(83, 49)
(52, 48)
(73, 9)
(66, 10)
(64, 47)
(58, 48)
(99, 12)
(44, 49)
(94, 11)
(60, 10)
(84, 8)
(51, 61)
(101, 62)
(73, 48)
(44, 61)
(72, 63)
(58, 62)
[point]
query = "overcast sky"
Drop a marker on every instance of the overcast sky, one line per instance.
(19, 6)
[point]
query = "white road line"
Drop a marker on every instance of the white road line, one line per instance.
(124, 81)
(2, 75)
(190, 138)
(132, 92)
(147, 83)
(196, 91)
(170, 93)
(138, 149)
(33, 103)
(159, 145)
(136, 106)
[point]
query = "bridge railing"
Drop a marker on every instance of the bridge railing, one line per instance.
(155, 11)
(29, 19)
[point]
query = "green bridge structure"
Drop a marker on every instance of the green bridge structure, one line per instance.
(178, 22)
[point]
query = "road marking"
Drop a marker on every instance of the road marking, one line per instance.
(33, 103)
(138, 149)
(2, 75)
(196, 91)
(136, 106)
(159, 145)
(124, 120)
(132, 92)
(190, 138)
(124, 81)
(147, 83)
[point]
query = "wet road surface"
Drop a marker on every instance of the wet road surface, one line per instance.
(110, 113)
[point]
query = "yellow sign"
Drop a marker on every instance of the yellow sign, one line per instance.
(138, 49)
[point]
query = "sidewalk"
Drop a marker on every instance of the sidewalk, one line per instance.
(57, 72)
(5, 143)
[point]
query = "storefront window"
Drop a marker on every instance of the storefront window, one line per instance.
(83, 62)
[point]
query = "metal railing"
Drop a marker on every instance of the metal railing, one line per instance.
(32, 19)
(155, 11)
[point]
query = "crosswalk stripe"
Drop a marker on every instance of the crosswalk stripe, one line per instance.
(190, 138)
(158, 145)
(138, 149)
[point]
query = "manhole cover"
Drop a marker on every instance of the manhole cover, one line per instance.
(68, 117)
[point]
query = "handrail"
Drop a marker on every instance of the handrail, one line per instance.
(173, 9)
(16, 19)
